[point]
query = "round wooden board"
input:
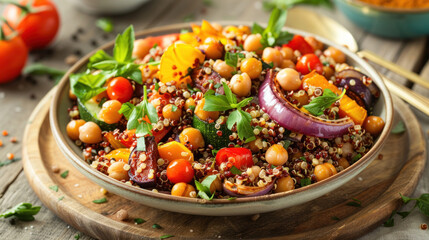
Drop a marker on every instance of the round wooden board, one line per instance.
(328, 217)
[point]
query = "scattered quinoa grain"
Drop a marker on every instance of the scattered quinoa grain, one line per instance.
(423, 226)
(103, 191)
(1, 143)
(255, 217)
(55, 169)
(13, 140)
(10, 156)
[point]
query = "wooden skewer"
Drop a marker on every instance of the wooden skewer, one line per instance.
(394, 68)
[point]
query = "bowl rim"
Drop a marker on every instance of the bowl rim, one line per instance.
(77, 159)
(360, 4)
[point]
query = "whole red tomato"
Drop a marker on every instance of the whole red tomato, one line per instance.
(180, 170)
(120, 89)
(308, 63)
(241, 158)
(37, 23)
(13, 56)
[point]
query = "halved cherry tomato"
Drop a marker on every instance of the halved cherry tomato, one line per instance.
(180, 170)
(298, 43)
(37, 24)
(308, 63)
(120, 89)
(241, 158)
(13, 56)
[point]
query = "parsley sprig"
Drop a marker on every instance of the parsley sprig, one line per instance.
(22, 211)
(86, 85)
(140, 117)
(273, 35)
(422, 203)
(204, 187)
(238, 117)
(320, 103)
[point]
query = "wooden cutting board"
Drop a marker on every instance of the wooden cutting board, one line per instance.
(397, 170)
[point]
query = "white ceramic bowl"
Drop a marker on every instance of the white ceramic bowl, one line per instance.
(107, 6)
(217, 207)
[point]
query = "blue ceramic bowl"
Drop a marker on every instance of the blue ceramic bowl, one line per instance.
(386, 22)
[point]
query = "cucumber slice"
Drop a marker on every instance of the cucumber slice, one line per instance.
(88, 111)
(209, 132)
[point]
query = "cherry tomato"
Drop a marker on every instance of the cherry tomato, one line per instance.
(180, 170)
(299, 43)
(308, 63)
(120, 89)
(241, 158)
(38, 25)
(13, 55)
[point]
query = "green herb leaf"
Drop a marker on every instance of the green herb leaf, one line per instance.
(405, 199)
(166, 236)
(99, 56)
(319, 104)
(99, 201)
(404, 214)
(126, 109)
(60, 198)
(207, 3)
(124, 44)
(390, 222)
(273, 35)
(86, 86)
(77, 236)
(216, 103)
(54, 188)
(174, 108)
(305, 182)
(105, 24)
(231, 198)
(22, 211)
(9, 161)
(65, 174)
(243, 121)
(286, 4)
(232, 58)
(356, 157)
(189, 18)
(287, 143)
(204, 187)
(399, 128)
(141, 144)
(139, 220)
(355, 203)
(40, 69)
(156, 226)
(235, 170)
(267, 65)
(232, 99)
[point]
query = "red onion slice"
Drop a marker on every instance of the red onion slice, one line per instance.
(289, 117)
(235, 190)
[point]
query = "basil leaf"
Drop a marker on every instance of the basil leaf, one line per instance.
(105, 65)
(244, 102)
(100, 201)
(139, 220)
(126, 109)
(40, 69)
(235, 170)
(23, 211)
(86, 86)
(305, 182)
(99, 56)
(130, 71)
(232, 58)
(209, 92)
(399, 128)
(65, 174)
(319, 104)
(256, 28)
(134, 117)
(423, 204)
(143, 129)
(204, 187)
(105, 24)
(124, 44)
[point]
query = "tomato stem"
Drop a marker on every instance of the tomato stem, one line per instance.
(24, 8)
(2, 34)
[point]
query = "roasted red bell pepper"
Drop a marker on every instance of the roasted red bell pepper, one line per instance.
(298, 43)
(241, 158)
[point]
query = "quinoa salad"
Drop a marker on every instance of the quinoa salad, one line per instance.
(222, 111)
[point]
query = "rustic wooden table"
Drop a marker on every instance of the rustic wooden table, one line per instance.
(18, 99)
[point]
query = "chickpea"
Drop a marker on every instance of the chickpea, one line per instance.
(216, 184)
(252, 67)
(205, 115)
(256, 170)
(255, 145)
(193, 137)
(253, 43)
(286, 63)
(117, 171)
(223, 69)
(73, 128)
(302, 97)
(328, 72)
(190, 103)
(182, 189)
(217, 26)
(373, 125)
(347, 149)
(109, 112)
(289, 79)
(314, 43)
(276, 155)
(90, 132)
(272, 55)
(212, 48)
(171, 112)
(343, 163)
(285, 184)
(324, 171)
(287, 53)
(72, 96)
(336, 54)
(244, 29)
(141, 48)
(240, 84)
